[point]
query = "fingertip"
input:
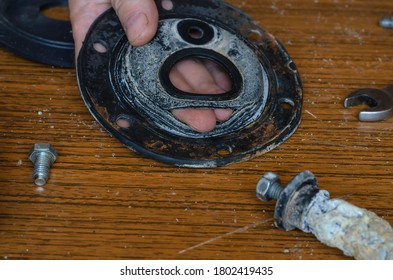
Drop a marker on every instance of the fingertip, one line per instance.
(200, 120)
(140, 29)
(204, 125)
(139, 19)
(223, 114)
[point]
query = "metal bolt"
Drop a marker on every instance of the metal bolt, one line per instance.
(386, 22)
(269, 187)
(43, 155)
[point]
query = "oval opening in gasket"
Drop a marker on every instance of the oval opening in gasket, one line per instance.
(228, 67)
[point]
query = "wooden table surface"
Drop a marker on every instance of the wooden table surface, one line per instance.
(103, 201)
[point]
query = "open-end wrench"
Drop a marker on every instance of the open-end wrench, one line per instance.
(380, 102)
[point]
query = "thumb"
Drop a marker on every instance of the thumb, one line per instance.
(139, 19)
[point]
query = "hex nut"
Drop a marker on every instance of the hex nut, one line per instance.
(42, 147)
(265, 185)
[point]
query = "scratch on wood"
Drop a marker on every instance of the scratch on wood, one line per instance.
(311, 114)
(331, 143)
(226, 234)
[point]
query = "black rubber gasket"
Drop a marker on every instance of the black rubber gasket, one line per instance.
(225, 63)
(25, 31)
(117, 83)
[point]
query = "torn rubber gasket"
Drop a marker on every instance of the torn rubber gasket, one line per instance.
(26, 31)
(128, 90)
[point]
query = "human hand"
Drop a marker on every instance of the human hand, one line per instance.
(201, 76)
(140, 19)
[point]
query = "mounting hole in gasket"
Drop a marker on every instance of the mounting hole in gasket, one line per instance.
(292, 66)
(123, 122)
(100, 47)
(57, 10)
(167, 5)
(195, 31)
(254, 35)
(200, 76)
(224, 150)
(286, 103)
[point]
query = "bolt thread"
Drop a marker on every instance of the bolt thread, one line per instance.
(42, 164)
(274, 191)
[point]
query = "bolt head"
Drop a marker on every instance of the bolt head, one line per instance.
(264, 185)
(40, 148)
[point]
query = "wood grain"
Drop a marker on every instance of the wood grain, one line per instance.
(104, 201)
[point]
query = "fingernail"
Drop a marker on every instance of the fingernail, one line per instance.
(135, 26)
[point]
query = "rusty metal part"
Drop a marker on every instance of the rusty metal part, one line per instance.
(379, 100)
(42, 155)
(292, 201)
(335, 222)
(128, 90)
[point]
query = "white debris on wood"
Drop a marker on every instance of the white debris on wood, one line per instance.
(356, 231)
